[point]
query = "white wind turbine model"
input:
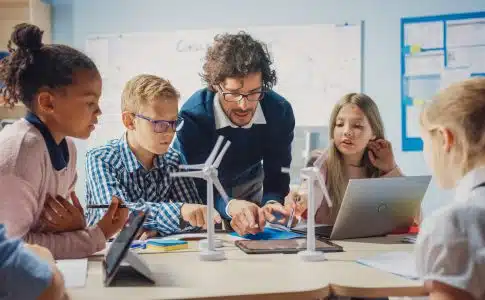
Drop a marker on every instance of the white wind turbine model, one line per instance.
(208, 172)
(313, 175)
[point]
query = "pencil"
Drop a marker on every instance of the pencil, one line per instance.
(104, 206)
(290, 219)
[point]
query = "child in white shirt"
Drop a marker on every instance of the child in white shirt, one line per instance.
(450, 249)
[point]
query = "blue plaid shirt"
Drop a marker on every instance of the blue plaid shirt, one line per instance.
(113, 170)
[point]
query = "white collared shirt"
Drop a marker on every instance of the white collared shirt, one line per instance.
(222, 120)
(451, 244)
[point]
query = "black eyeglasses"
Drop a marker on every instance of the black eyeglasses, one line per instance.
(161, 126)
(236, 97)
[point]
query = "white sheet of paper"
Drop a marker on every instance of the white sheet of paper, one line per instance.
(398, 262)
(423, 88)
(459, 57)
(425, 35)
(477, 59)
(74, 271)
(467, 57)
(427, 63)
(468, 32)
(413, 114)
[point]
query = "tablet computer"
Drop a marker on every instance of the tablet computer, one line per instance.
(120, 246)
(284, 246)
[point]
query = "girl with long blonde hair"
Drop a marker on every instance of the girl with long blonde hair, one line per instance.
(358, 149)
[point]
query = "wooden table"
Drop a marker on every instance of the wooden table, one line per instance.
(182, 275)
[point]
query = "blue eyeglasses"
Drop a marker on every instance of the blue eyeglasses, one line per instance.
(161, 126)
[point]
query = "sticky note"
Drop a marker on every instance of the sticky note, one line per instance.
(415, 49)
(166, 245)
(417, 101)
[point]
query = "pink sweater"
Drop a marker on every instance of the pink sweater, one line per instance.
(26, 177)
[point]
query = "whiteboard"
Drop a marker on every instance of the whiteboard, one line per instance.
(315, 64)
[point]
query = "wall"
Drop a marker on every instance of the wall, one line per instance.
(74, 20)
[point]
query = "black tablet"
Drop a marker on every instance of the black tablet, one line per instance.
(121, 245)
(284, 246)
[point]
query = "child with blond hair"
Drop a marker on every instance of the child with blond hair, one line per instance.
(450, 249)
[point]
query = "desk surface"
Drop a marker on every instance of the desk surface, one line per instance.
(182, 275)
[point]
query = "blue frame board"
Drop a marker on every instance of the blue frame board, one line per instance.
(415, 143)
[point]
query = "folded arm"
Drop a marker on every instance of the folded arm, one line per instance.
(19, 210)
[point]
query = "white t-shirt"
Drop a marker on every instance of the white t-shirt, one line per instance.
(451, 244)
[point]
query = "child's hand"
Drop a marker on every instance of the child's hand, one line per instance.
(196, 215)
(144, 234)
(381, 156)
(61, 216)
(297, 200)
(114, 219)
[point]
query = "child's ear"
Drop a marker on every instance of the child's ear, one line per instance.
(447, 137)
(45, 102)
(128, 120)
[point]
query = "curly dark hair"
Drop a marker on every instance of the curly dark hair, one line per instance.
(33, 65)
(237, 55)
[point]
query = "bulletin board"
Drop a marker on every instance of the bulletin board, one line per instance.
(436, 51)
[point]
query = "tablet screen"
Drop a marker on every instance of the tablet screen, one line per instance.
(121, 244)
(284, 246)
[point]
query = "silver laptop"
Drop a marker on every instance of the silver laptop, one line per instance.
(376, 206)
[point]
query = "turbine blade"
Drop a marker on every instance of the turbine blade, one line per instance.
(319, 161)
(213, 154)
(323, 186)
(220, 189)
(192, 167)
(218, 160)
(320, 179)
(198, 174)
